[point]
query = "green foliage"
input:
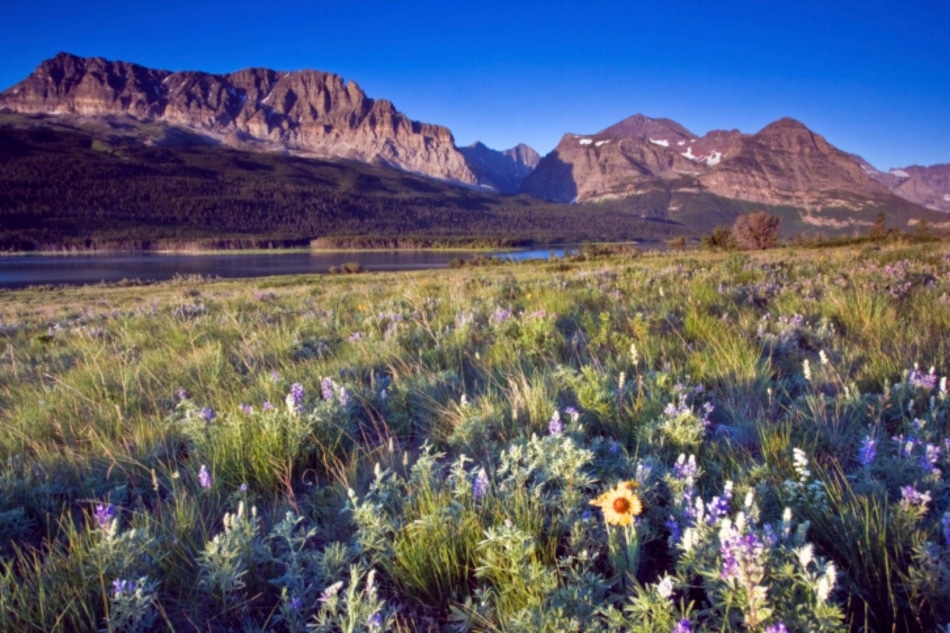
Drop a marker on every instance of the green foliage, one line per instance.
(422, 451)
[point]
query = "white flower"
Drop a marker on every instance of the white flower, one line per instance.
(823, 357)
(806, 370)
(806, 554)
(826, 583)
(665, 587)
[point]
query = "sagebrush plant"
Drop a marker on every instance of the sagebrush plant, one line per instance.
(762, 436)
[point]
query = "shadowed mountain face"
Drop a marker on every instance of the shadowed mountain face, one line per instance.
(503, 171)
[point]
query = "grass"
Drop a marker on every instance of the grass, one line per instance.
(424, 469)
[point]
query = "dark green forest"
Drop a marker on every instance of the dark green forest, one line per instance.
(69, 188)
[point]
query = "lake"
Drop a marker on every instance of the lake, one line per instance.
(20, 271)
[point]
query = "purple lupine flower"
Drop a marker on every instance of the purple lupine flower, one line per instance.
(295, 398)
(778, 627)
(500, 316)
(243, 488)
(326, 389)
(919, 380)
(574, 413)
(375, 621)
(685, 468)
(868, 451)
(105, 514)
(207, 414)
(182, 394)
(555, 426)
(676, 532)
(719, 505)
(267, 406)
(683, 626)
(911, 497)
(120, 587)
(480, 485)
(204, 477)
(742, 557)
(330, 592)
(355, 336)
(246, 409)
(296, 603)
(930, 458)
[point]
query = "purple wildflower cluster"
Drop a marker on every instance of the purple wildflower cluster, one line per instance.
(208, 414)
(246, 409)
(204, 477)
(743, 557)
(868, 451)
(718, 506)
(920, 380)
(122, 587)
(480, 484)
(555, 425)
(778, 627)
(105, 514)
(294, 399)
(911, 498)
(329, 391)
(500, 316)
(929, 454)
(356, 336)
(683, 626)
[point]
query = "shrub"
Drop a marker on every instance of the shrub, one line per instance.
(756, 231)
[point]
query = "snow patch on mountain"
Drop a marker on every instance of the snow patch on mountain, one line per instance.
(662, 142)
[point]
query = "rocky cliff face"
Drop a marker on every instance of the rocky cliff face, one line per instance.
(927, 186)
(503, 171)
(306, 112)
(784, 163)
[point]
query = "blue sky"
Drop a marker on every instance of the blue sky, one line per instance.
(871, 76)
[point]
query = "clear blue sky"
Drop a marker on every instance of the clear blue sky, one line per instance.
(872, 76)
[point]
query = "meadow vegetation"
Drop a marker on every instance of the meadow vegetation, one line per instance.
(618, 442)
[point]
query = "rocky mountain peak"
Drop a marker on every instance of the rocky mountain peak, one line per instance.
(644, 127)
(307, 112)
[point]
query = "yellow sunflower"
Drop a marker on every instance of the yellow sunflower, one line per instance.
(621, 504)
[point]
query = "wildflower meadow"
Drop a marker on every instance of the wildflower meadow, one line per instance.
(633, 442)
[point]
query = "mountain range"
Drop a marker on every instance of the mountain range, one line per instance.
(318, 115)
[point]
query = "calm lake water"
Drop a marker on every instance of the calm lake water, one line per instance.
(29, 270)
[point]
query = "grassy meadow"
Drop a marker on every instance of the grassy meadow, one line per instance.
(680, 442)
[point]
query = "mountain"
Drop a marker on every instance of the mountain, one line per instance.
(784, 164)
(927, 186)
(503, 171)
(307, 112)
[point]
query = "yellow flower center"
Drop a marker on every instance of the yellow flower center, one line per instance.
(621, 505)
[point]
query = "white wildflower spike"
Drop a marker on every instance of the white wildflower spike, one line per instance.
(665, 587)
(806, 370)
(806, 554)
(634, 356)
(749, 499)
(826, 583)
(823, 357)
